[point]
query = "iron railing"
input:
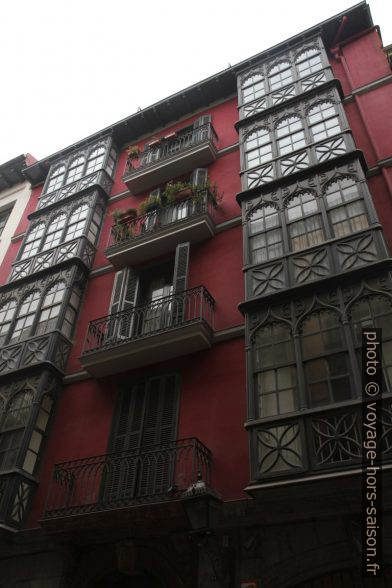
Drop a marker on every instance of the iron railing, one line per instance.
(171, 147)
(177, 212)
(116, 480)
(157, 316)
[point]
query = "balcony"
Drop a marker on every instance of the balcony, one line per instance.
(80, 248)
(50, 348)
(171, 158)
(157, 331)
(158, 232)
(156, 474)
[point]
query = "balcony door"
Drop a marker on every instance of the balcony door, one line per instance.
(142, 454)
(145, 302)
(156, 288)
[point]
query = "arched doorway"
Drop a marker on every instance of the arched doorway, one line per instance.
(121, 580)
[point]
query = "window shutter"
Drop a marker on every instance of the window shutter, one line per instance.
(199, 177)
(129, 298)
(116, 292)
(124, 296)
(146, 420)
(155, 194)
(121, 471)
(180, 278)
(159, 430)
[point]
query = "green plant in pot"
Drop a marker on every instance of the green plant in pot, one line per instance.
(133, 152)
(215, 195)
(177, 191)
(152, 203)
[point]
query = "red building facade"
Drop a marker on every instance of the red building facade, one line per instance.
(134, 351)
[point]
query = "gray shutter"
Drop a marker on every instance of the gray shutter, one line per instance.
(129, 297)
(180, 283)
(121, 470)
(116, 292)
(124, 296)
(146, 420)
(155, 193)
(115, 303)
(156, 475)
(199, 177)
(180, 278)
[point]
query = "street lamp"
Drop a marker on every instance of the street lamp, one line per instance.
(203, 508)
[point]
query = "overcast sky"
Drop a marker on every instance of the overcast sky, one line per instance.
(68, 69)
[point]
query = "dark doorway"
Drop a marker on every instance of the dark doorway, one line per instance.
(120, 580)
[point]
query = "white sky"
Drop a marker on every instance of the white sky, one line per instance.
(70, 68)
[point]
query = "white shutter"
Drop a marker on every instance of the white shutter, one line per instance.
(199, 177)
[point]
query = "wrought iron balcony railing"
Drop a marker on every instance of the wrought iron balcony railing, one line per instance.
(161, 315)
(171, 147)
(158, 220)
(118, 480)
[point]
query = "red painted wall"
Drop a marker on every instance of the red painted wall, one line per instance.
(212, 408)
(362, 62)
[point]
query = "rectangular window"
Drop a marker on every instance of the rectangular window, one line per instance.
(4, 215)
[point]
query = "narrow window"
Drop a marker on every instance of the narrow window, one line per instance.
(274, 369)
(4, 215)
(33, 241)
(75, 169)
(50, 309)
(54, 232)
(280, 75)
(68, 324)
(304, 222)
(323, 121)
(7, 312)
(290, 134)
(258, 148)
(25, 316)
(346, 208)
(325, 358)
(252, 88)
(77, 222)
(266, 240)
(13, 425)
(95, 160)
(308, 62)
(56, 179)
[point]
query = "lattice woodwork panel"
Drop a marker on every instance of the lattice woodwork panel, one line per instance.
(311, 266)
(268, 279)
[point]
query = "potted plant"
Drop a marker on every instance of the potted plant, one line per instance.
(177, 191)
(215, 195)
(133, 152)
(150, 204)
(122, 216)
